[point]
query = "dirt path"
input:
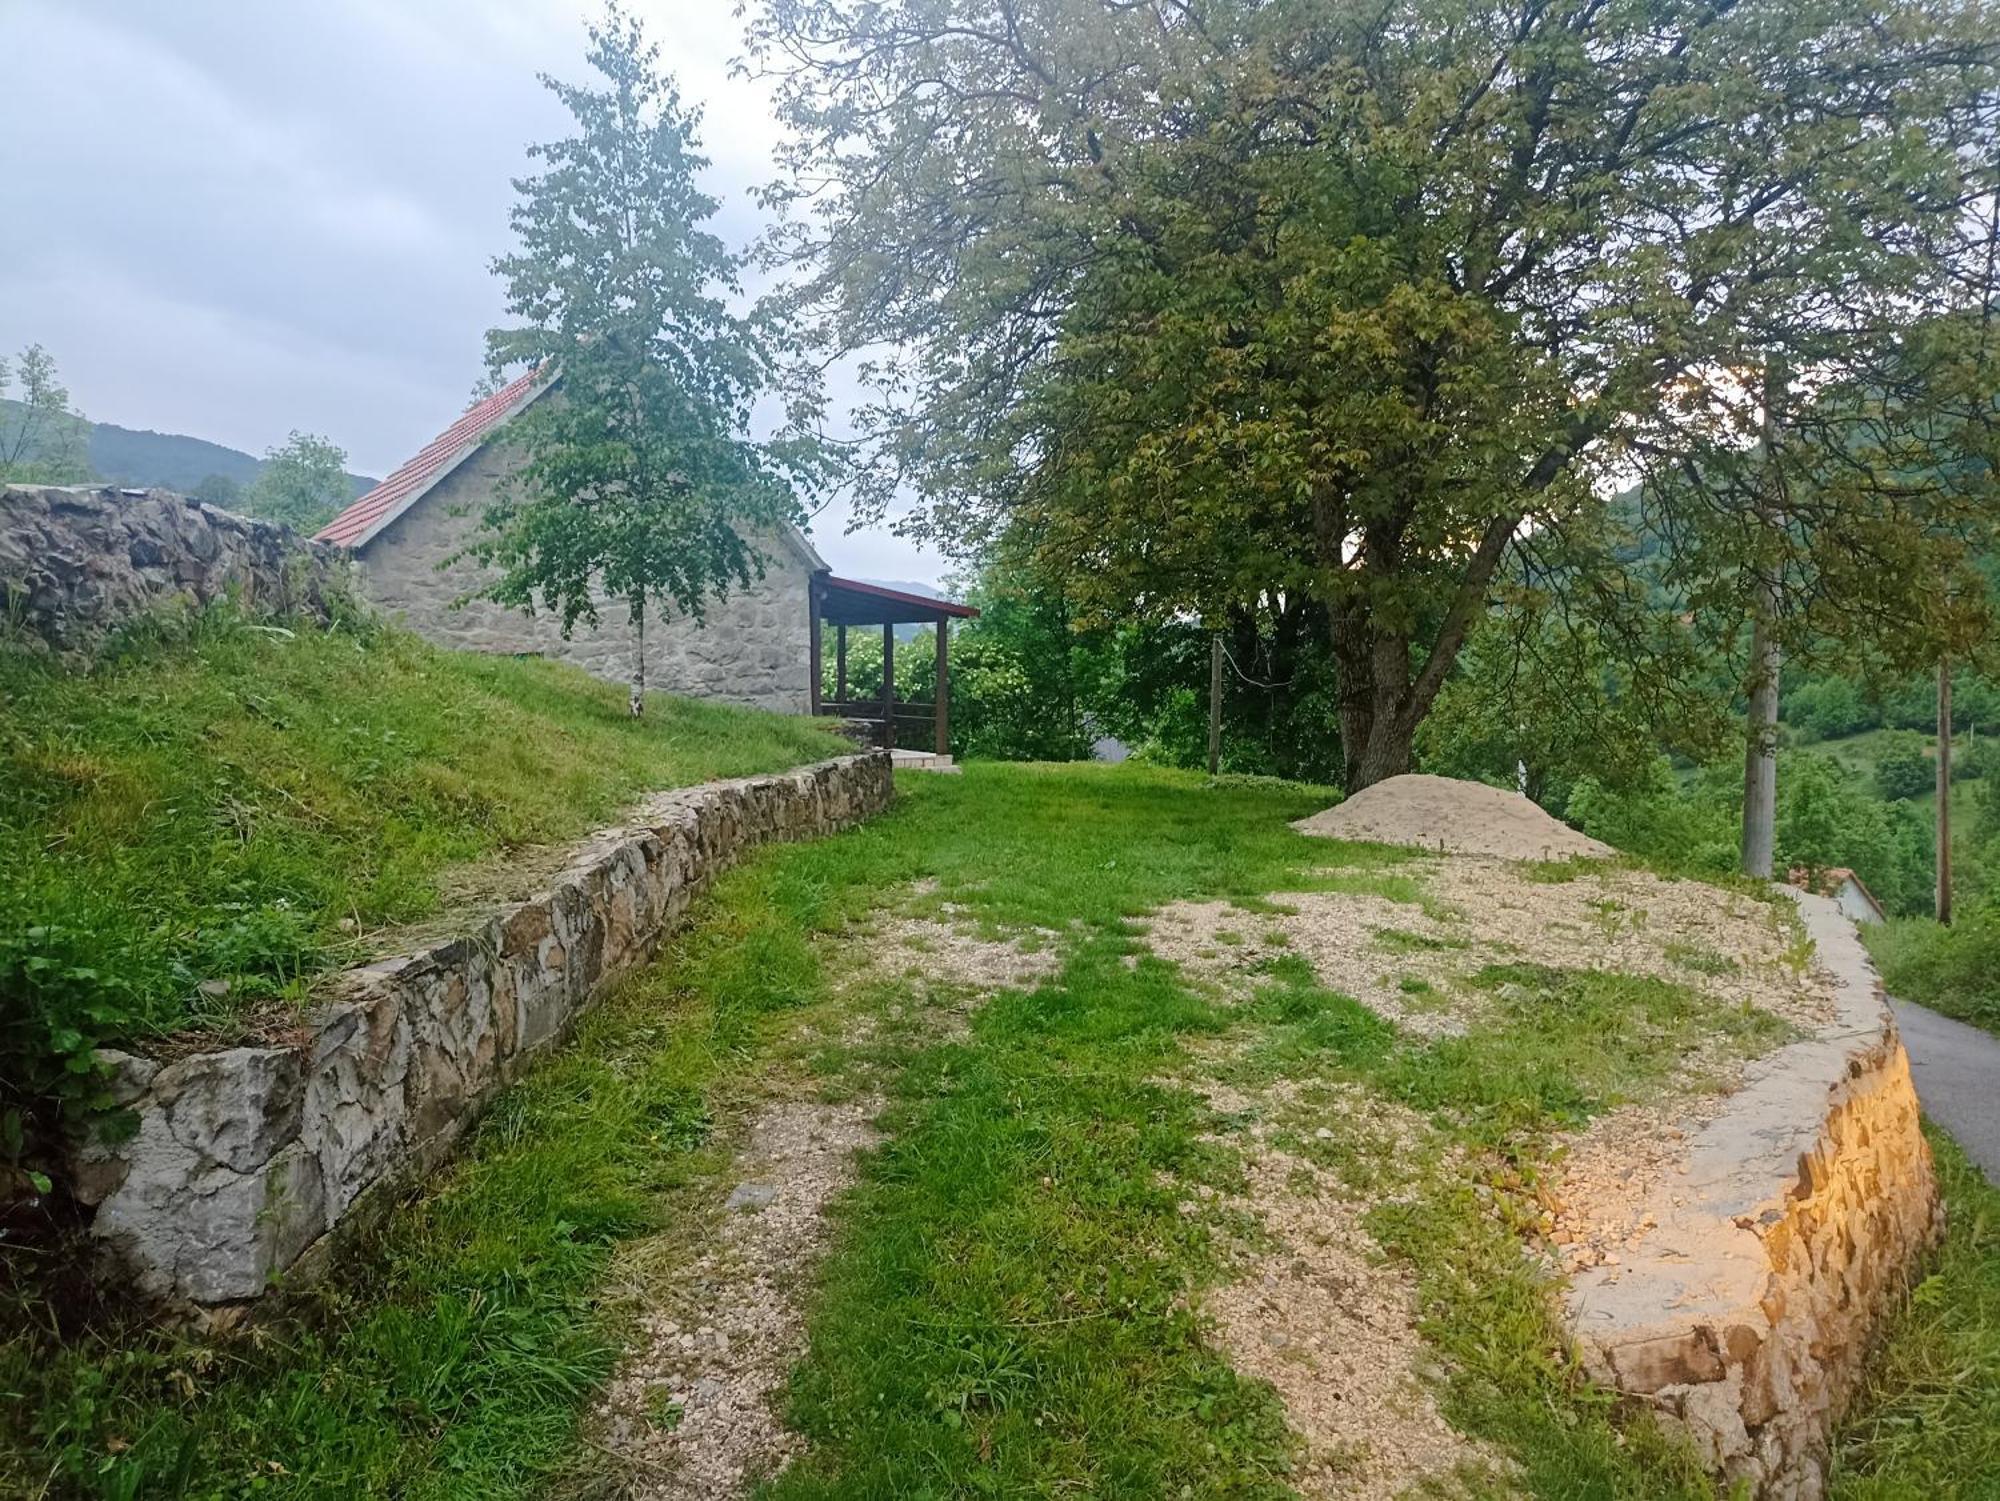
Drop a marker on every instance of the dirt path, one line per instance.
(694, 1410)
(1315, 1308)
(691, 1413)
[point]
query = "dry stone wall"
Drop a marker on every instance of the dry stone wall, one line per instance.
(76, 561)
(248, 1161)
(1744, 1316)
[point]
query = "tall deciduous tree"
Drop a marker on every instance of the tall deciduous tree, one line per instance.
(303, 483)
(639, 482)
(43, 439)
(1227, 300)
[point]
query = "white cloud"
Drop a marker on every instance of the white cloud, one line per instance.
(232, 220)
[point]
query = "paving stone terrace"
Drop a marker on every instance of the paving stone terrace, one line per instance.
(249, 1164)
(1744, 1312)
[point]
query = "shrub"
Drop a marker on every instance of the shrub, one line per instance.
(1955, 970)
(1904, 770)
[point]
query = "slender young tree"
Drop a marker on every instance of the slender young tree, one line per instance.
(639, 482)
(1344, 301)
(43, 439)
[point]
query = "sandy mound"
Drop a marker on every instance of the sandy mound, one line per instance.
(1465, 818)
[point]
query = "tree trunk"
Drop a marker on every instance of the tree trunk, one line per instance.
(1383, 695)
(1760, 755)
(1760, 741)
(638, 703)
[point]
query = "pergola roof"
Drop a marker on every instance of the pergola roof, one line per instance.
(851, 602)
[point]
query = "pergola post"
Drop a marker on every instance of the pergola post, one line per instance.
(941, 692)
(814, 604)
(840, 663)
(889, 687)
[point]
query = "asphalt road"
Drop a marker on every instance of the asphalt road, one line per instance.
(1957, 1069)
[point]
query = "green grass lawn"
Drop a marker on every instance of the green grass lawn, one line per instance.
(1927, 1425)
(1011, 1303)
(220, 809)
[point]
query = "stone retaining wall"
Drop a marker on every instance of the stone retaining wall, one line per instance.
(75, 561)
(1744, 1316)
(246, 1161)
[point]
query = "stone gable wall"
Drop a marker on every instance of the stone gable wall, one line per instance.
(752, 648)
(249, 1162)
(1744, 1317)
(78, 561)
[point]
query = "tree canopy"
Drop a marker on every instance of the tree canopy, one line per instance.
(1211, 303)
(639, 481)
(303, 483)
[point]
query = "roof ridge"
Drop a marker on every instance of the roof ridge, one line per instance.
(362, 521)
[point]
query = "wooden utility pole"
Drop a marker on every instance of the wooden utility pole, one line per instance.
(1214, 703)
(1760, 754)
(1944, 793)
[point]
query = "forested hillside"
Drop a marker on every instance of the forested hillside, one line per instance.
(171, 461)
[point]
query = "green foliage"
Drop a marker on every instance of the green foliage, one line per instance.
(1022, 681)
(1904, 771)
(1206, 307)
(1955, 970)
(637, 483)
(1552, 703)
(221, 809)
(1826, 817)
(1827, 708)
(219, 490)
(303, 484)
(43, 439)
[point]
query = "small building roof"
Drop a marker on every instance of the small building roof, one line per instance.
(852, 602)
(365, 520)
(371, 515)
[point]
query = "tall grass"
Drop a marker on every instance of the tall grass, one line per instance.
(1955, 970)
(220, 809)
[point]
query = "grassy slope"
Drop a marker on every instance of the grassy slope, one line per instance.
(1007, 1309)
(241, 806)
(1928, 1424)
(1956, 970)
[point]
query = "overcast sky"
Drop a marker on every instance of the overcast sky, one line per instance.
(232, 218)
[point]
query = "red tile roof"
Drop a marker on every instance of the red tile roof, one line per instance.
(361, 521)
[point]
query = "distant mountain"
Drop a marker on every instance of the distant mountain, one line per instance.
(908, 632)
(907, 587)
(170, 461)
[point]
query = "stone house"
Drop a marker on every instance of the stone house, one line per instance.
(754, 647)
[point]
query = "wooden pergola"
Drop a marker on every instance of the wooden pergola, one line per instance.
(841, 603)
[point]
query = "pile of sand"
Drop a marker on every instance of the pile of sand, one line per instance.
(1464, 818)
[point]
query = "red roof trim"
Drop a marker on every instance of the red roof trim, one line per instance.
(359, 523)
(898, 596)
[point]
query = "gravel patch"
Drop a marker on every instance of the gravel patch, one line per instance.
(1360, 945)
(1413, 964)
(1724, 944)
(690, 1414)
(1317, 1311)
(1439, 813)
